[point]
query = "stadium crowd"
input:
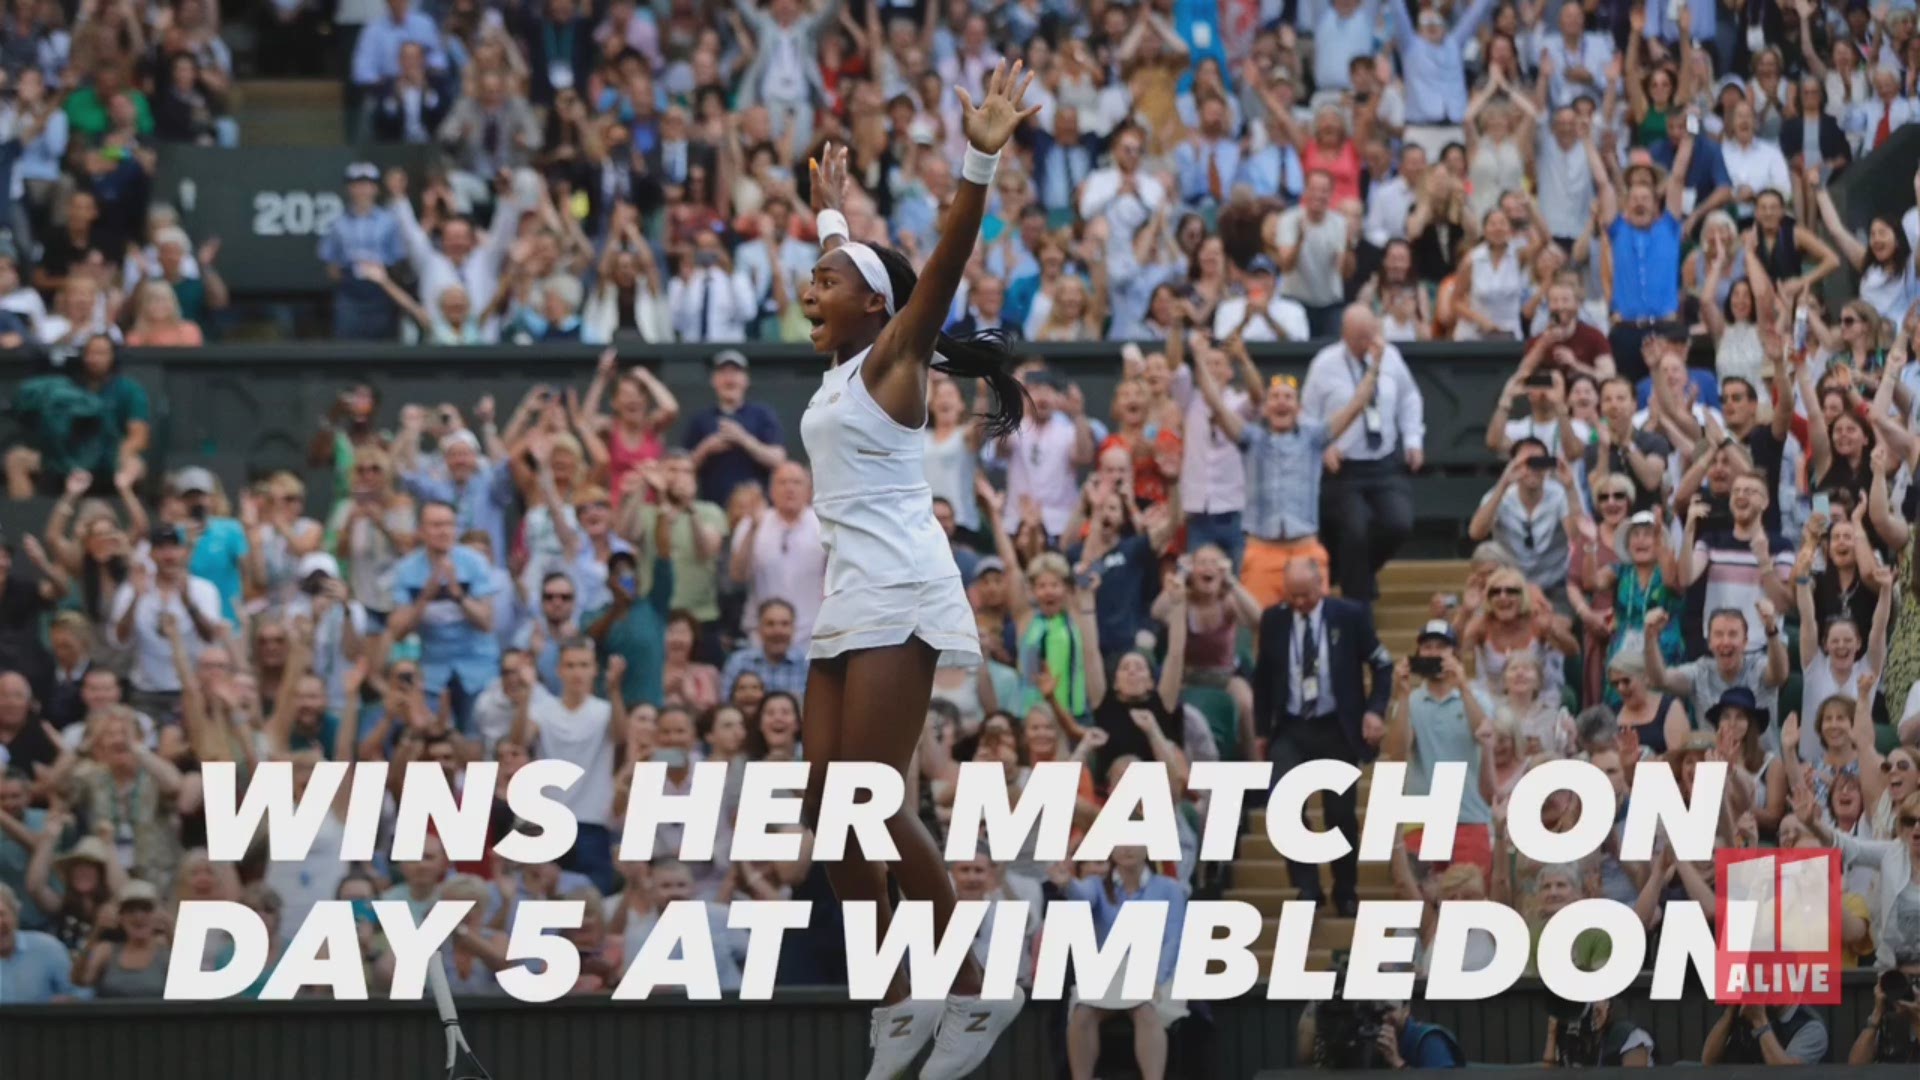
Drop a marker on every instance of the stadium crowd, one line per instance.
(1678, 564)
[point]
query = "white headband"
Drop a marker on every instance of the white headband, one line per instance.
(867, 261)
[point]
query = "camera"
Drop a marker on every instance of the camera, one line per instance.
(1346, 1033)
(198, 512)
(1894, 1041)
(1578, 1042)
(314, 584)
(1425, 667)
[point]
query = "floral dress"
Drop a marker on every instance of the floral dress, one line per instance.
(1903, 634)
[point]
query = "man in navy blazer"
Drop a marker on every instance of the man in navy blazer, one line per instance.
(1312, 700)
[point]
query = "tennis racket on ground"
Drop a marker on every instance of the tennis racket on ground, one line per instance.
(461, 1064)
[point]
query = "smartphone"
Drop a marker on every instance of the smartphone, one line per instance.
(671, 756)
(1541, 463)
(1426, 667)
(1823, 505)
(1693, 125)
(363, 912)
(1083, 580)
(629, 584)
(1539, 380)
(404, 678)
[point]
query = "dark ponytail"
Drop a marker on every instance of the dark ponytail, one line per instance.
(983, 355)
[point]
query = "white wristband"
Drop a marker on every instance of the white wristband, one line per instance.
(979, 168)
(831, 223)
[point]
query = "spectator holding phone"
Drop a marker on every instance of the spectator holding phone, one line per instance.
(632, 627)
(1532, 511)
(371, 529)
(442, 591)
(1434, 717)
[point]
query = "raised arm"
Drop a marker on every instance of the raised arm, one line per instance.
(1173, 671)
(1230, 423)
(909, 336)
(1853, 250)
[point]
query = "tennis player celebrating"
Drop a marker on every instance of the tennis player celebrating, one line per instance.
(894, 609)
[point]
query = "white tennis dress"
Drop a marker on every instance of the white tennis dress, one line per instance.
(890, 571)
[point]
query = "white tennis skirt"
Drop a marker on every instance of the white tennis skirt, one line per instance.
(936, 612)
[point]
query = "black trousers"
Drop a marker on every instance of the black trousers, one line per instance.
(1297, 741)
(1368, 507)
(1626, 340)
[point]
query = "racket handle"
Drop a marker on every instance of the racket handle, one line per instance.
(442, 994)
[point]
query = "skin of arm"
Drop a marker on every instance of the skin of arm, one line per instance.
(1173, 671)
(1083, 622)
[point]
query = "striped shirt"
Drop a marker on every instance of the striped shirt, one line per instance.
(1283, 479)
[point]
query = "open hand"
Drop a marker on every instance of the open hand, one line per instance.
(828, 178)
(991, 123)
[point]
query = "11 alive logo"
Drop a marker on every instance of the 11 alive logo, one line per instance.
(1779, 928)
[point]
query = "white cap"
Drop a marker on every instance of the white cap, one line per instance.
(191, 479)
(319, 562)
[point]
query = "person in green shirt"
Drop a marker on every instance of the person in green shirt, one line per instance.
(89, 108)
(634, 627)
(694, 540)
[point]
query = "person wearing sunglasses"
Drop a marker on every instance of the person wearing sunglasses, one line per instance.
(1897, 909)
(558, 621)
(1533, 511)
(1595, 550)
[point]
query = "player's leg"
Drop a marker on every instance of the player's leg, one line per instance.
(883, 710)
(901, 1027)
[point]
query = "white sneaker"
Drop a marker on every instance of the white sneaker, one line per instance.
(899, 1032)
(968, 1031)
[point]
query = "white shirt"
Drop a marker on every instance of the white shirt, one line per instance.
(580, 736)
(152, 654)
(1212, 472)
(1100, 195)
(789, 563)
(1284, 312)
(1388, 205)
(1039, 460)
(1397, 415)
(713, 305)
(1757, 165)
(480, 273)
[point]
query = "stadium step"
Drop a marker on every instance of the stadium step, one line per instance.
(1257, 854)
(291, 112)
(1260, 875)
(1268, 901)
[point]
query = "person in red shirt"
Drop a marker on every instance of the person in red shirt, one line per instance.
(1576, 348)
(1156, 450)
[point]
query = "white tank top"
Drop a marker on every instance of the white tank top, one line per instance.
(870, 489)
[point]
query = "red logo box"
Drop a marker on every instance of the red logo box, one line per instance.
(1778, 941)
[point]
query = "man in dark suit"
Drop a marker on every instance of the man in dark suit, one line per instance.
(561, 52)
(410, 109)
(1312, 701)
(1062, 158)
(676, 155)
